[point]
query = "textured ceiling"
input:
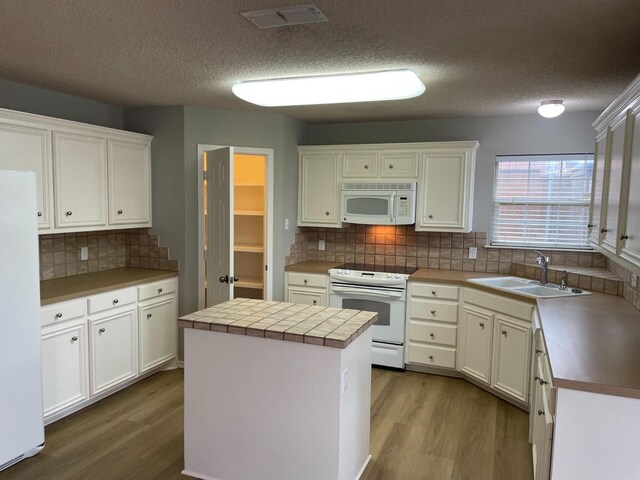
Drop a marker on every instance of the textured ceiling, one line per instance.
(476, 57)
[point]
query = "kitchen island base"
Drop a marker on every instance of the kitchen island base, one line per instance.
(259, 408)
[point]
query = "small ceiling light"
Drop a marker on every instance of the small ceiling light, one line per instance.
(551, 108)
(317, 90)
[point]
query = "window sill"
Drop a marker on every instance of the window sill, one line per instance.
(551, 249)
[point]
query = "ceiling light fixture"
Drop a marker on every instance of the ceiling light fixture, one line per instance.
(324, 89)
(551, 108)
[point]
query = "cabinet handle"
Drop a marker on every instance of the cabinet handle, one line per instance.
(39, 214)
(366, 166)
(624, 237)
(115, 302)
(74, 339)
(590, 225)
(433, 312)
(159, 290)
(69, 213)
(540, 412)
(390, 166)
(432, 335)
(148, 315)
(603, 230)
(504, 332)
(327, 213)
(430, 357)
(481, 325)
(430, 215)
(58, 315)
(119, 212)
(102, 330)
(538, 351)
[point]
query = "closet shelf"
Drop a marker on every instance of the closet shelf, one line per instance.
(248, 247)
(249, 282)
(251, 213)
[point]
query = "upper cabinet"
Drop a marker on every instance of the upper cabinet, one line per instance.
(444, 173)
(89, 177)
(616, 203)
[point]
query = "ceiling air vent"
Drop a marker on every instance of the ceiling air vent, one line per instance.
(285, 16)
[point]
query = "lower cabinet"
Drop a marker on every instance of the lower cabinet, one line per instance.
(65, 376)
(113, 350)
(307, 288)
(157, 331)
(475, 357)
(511, 340)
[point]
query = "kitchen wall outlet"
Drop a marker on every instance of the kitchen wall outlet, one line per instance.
(345, 380)
(473, 252)
(84, 253)
(320, 244)
(634, 280)
(286, 224)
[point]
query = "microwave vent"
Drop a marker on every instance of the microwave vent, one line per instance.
(379, 186)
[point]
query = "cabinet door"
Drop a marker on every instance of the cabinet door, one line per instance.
(511, 344)
(80, 169)
(157, 327)
(400, 165)
(631, 244)
(610, 220)
(476, 343)
(113, 350)
(445, 196)
(599, 187)
(129, 183)
(64, 366)
(25, 148)
(307, 296)
(360, 165)
(318, 193)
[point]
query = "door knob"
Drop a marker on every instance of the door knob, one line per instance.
(224, 279)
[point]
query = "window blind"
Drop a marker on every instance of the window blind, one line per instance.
(542, 201)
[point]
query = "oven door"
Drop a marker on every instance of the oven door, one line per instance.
(389, 326)
(372, 207)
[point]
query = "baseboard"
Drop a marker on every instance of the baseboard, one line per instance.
(180, 363)
(366, 462)
(445, 372)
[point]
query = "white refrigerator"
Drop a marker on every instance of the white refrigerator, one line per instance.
(21, 417)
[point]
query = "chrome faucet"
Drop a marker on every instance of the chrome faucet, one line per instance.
(563, 283)
(543, 261)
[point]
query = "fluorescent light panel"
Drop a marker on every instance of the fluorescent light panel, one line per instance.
(318, 90)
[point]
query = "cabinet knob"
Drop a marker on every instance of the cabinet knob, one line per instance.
(390, 166)
(481, 325)
(590, 225)
(366, 167)
(433, 312)
(327, 213)
(538, 351)
(74, 339)
(624, 237)
(315, 301)
(69, 213)
(603, 230)
(159, 290)
(536, 378)
(115, 302)
(504, 332)
(305, 281)
(430, 215)
(433, 292)
(540, 412)
(102, 330)
(58, 315)
(148, 315)
(119, 212)
(432, 335)
(542, 381)
(430, 357)
(39, 214)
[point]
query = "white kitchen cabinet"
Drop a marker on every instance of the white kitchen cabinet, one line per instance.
(318, 189)
(65, 377)
(360, 165)
(475, 348)
(129, 180)
(630, 207)
(599, 187)
(114, 350)
(26, 148)
(445, 192)
(511, 347)
(157, 329)
(80, 168)
(307, 289)
(402, 164)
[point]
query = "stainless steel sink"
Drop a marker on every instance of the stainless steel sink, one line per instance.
(528, 288)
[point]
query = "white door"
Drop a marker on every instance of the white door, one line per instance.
(25, 148)
(157, 327)
(129, 182)
(219, 219)
(318, 193)
(631, 234)
(599, 188)
(80, 169)
(511, 357)
(476, 343)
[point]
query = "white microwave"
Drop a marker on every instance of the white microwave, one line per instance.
(379, 203)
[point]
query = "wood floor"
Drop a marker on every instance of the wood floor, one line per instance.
(422, 427)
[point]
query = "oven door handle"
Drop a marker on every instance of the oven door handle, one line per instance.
(368, 293)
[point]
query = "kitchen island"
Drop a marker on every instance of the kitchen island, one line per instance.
(277, 390)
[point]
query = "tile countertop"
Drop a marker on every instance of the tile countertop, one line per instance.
(329, 327)
(68, 288)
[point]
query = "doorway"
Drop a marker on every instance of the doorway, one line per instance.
(235, 225)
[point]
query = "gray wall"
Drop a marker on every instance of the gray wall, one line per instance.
(507, 135)
(24, 98)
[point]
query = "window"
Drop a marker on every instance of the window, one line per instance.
(542, 201)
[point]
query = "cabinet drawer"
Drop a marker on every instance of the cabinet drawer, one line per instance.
(433, 333)
(431, 290)
(360, 165)
(113, 299)
(498, 303)
(433, 310)
(60, 312)
(308, 280)
(156, 289)
(434, 356)
(400, 164)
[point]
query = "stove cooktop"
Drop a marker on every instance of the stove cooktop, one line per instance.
(361, 267)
